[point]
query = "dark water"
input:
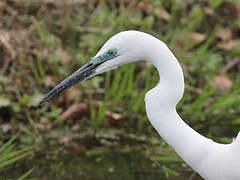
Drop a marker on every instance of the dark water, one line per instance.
(95, 166)
(105, 155)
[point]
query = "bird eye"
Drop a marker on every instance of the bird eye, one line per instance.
(112, 52)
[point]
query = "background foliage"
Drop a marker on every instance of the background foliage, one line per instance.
(99, 129)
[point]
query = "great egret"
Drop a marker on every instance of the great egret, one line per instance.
(213, 161)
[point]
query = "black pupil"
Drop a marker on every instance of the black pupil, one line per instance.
(111, 53)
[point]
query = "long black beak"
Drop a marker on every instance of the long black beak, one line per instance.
(78, 76)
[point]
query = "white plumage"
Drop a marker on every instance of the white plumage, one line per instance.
(213, 161)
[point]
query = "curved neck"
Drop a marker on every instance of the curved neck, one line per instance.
(160, 106)
(171, 85)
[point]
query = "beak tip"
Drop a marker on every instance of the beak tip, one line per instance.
(43, 101)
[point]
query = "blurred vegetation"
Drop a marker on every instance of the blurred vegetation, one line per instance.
(99, 129)
(8, 155)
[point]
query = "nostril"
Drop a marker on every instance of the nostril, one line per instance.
(90, 64)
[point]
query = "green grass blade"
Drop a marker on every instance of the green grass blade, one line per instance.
(24, 176)
(11, 161)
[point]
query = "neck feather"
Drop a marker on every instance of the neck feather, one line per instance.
(171, 85)
(160, 107)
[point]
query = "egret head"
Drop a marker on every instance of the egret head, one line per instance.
(120, 49)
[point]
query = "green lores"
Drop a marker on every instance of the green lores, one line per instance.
(110, 54)
(81, 74)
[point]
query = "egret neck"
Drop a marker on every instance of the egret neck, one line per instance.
(161, 104)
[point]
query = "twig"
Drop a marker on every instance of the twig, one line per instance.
(193, 175)
(4, 39)
(4, 62)
(230, 64)
(193, 89)
(57, 2)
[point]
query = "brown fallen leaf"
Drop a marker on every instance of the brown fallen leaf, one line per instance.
(144, 6)
(76, 127)
(224, 34)
(2, 5)
(222, 82)
(162, 13)
(40, 126)
(114, 118)
(209, 11)
(11, 11)
(228, 45)
(74, 111)
(189, 39)
(196, 37)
